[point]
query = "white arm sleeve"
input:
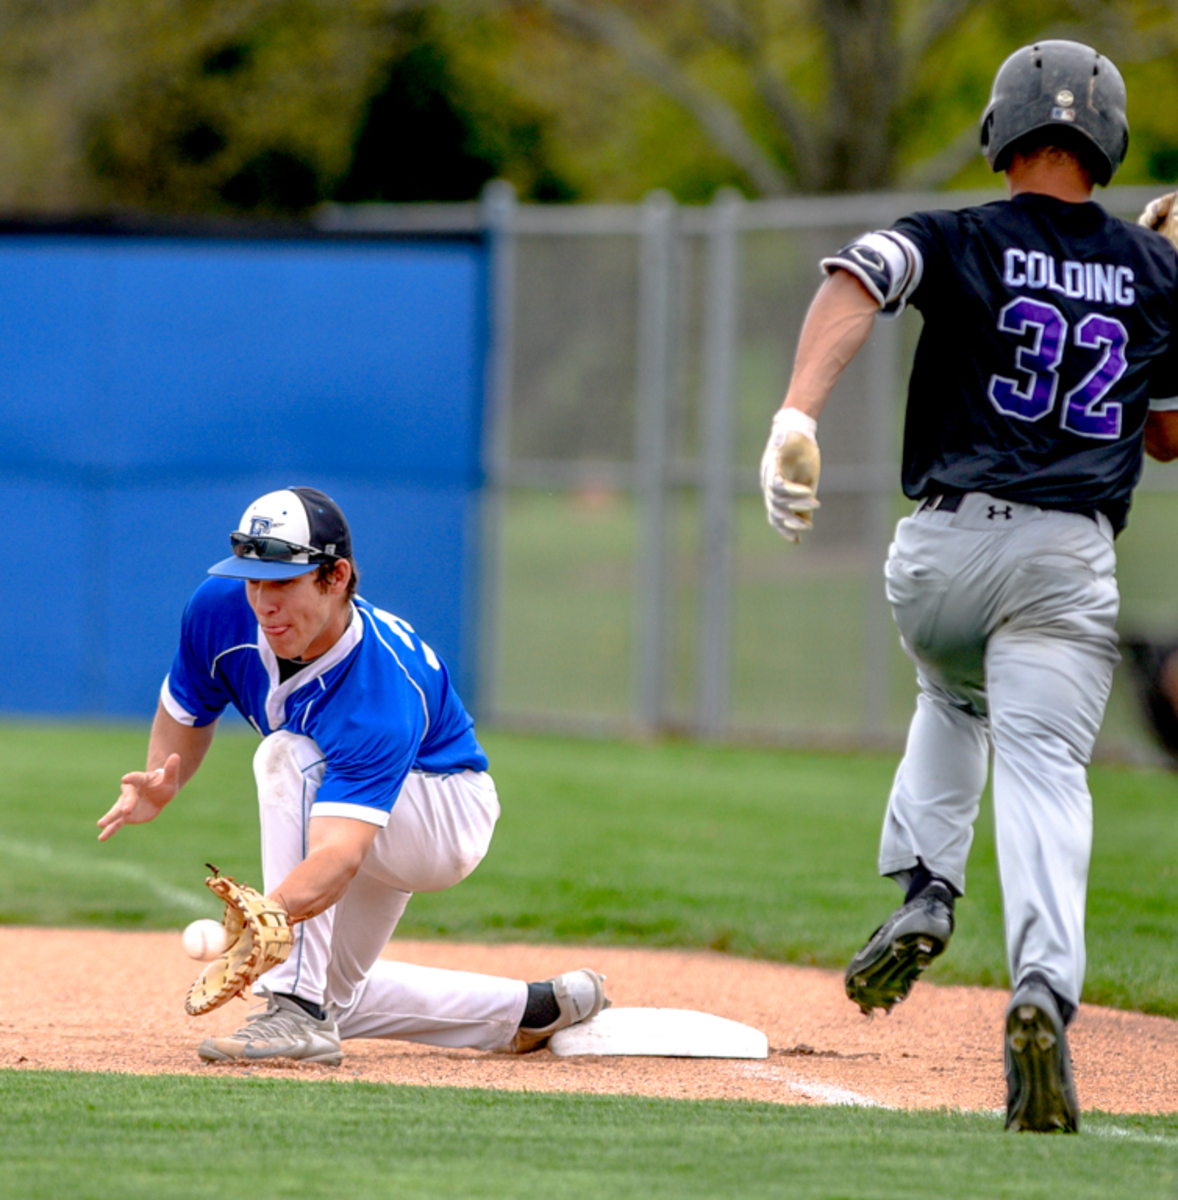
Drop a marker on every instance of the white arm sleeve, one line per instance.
(886, 263)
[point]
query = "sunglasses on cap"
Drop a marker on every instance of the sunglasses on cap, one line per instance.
(272, 549)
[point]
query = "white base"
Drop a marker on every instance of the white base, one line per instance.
(660, 1032)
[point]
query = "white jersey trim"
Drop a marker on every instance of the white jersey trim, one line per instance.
(311, 703)
(353, 812)
(279, 691)
(888, 264)
(243, 646)
(178, 714)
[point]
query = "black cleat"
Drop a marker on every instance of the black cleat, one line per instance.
(883, 972)
(1040, 1090)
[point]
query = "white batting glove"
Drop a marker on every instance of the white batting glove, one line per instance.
(789, 473)
(1154, 214)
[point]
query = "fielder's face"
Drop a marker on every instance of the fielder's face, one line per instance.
(298, 618)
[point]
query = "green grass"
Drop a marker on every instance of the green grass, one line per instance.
(799, 662)
(96, 1136)
(757, 852)
(798, 613)
(59, 780)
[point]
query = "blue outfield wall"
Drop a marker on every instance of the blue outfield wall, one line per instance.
(152, 386)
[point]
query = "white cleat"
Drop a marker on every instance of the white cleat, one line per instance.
(282, 1030)
(579, 995)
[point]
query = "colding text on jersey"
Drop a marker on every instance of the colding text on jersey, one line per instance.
(1100, 283)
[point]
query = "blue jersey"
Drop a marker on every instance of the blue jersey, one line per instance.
(379, 703)
(1048, 326)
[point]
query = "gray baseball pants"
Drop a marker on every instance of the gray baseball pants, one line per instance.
(1009, 613)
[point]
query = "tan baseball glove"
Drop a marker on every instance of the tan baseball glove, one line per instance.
(1161, 214)
(259, 934)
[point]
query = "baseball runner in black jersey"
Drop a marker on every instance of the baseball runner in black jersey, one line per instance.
(1048, 327)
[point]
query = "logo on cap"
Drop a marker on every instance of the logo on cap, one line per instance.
(1064, 98)
(260, 525)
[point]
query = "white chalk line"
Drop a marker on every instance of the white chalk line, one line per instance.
(1105, 1131)
(78, 864)
(843, 1097)
(825, 1093)
(1132, 1135)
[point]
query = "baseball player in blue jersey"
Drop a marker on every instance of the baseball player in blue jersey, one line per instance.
(1048, 329)
(371, 786)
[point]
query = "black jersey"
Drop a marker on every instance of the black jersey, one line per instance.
(1048, 326)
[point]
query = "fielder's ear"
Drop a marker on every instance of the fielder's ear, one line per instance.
(341, 573)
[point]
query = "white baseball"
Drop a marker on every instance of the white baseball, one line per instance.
(204, 939)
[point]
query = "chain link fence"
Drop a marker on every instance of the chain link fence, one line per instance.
(631, 582)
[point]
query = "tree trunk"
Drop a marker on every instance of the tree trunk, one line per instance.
(864, 57)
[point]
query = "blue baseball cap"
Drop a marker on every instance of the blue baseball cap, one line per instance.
(286, 534)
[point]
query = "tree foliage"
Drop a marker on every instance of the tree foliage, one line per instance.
(836, 95)
(270, 106)
(264, 106)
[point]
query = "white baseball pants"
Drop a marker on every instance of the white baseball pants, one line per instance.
(1009, 613)
(439, 831)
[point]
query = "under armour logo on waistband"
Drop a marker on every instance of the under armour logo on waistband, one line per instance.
(994, 512)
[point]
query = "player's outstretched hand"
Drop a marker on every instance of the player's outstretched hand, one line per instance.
(1157, 214)
(142, 796)
(789, 473)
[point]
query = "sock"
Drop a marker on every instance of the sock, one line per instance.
(921, 877)
(541, 1009)
(1067, 1010)
(308, 1006)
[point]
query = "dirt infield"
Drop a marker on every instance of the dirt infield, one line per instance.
(96, 1001)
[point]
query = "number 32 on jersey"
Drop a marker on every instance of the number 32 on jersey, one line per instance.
(1086, 409)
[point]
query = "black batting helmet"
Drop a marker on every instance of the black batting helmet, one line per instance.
(1058, 84)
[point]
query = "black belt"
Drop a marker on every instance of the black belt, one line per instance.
(950, 502)
(943, 502)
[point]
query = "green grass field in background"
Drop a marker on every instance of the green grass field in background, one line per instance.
(764, 853)
(798, 651)
(112, 1137)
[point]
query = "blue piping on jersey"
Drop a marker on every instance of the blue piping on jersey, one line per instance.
(416, 687)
